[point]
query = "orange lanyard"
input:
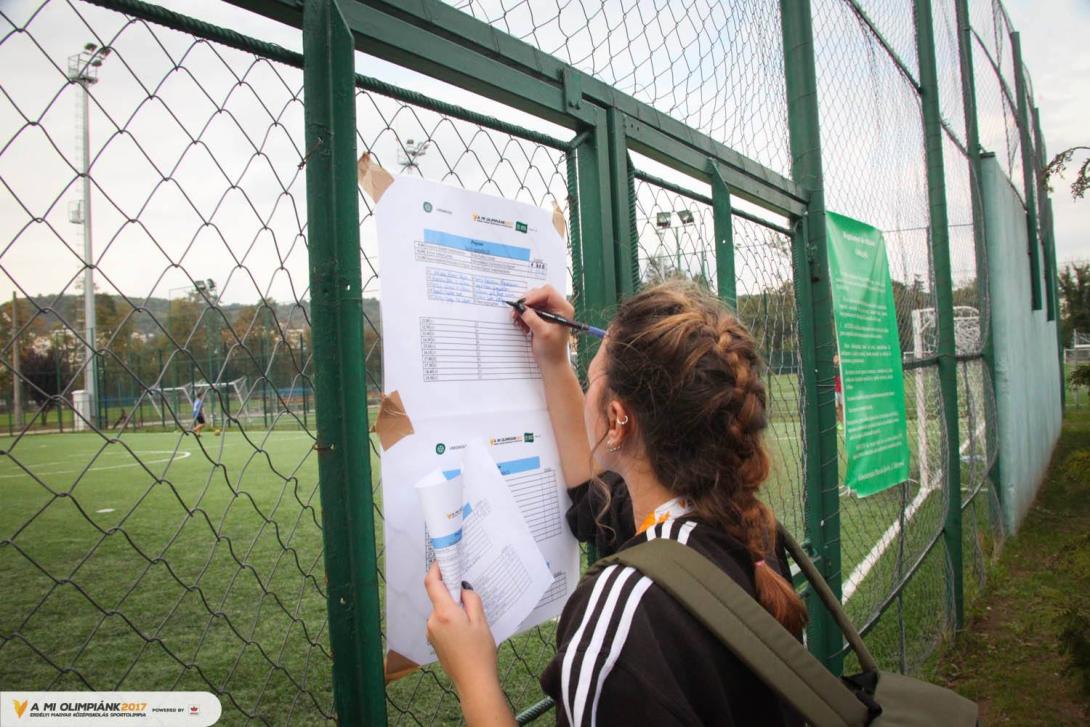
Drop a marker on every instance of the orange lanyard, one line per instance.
(672, 509)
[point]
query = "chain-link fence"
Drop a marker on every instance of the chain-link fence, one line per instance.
(159, 393)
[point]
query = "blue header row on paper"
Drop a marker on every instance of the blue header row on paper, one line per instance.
(511, 467)
(446, 541)
(496, 249)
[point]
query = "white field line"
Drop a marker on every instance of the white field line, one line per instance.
(176, 456)
(867, 564)
(887, 539)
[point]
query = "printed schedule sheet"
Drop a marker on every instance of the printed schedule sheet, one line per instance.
(464, 375)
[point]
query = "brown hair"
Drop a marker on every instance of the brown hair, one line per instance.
(690, 372)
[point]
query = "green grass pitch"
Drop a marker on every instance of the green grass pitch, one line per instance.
(160, 561)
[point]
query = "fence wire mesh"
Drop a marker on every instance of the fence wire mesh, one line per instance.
(179, 561)
(716, 65)
(676, 239)
(174, 561)
(410, 139)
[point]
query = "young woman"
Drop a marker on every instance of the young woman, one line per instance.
(673, 414)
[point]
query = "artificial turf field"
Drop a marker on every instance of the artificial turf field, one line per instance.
(160, 561)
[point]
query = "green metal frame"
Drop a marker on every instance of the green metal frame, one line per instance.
(343, 444)
(1039, 162)
(434, 38)
(944, 296)
(1029, 176)
(725, 280)
(817, 338)
(980, 233)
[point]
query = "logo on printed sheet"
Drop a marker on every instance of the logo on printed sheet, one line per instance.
(427, 207)
(521, 227)
(440, 448)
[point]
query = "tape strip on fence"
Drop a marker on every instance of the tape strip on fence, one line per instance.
(373, 179)
(392, 423)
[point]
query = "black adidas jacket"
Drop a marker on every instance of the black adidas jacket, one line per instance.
(629, 654)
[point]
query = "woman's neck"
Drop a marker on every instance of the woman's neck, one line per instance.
(646, 492)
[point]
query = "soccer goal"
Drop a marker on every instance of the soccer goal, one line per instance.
(925, 344)
(224, 401)
(1079, 353)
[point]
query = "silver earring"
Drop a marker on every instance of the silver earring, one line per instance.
(612, 447)
(622, 422)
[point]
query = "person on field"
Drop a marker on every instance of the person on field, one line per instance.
(198, 413)
(666, 442)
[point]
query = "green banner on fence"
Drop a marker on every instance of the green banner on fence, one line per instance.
(875, 433)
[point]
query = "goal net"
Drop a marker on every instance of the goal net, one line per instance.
(223, 402)
(924, 345)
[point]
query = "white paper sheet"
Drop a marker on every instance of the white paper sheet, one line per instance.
(466, 375)
(523, 450)
(449, 260)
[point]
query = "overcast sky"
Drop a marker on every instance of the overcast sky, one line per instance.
(243, 179)
(1056, 48)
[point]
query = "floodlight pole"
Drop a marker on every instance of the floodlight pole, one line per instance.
(16, 376)
(83, 70)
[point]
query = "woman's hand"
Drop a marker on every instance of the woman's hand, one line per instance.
(563, 395)
(460, 636)
(462, 640)
(549, 341)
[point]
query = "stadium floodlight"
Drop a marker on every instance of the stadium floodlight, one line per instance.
(686, 217)
(83, 70)
(410, 153)
(662, 220)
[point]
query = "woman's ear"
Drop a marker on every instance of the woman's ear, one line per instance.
(621, 425)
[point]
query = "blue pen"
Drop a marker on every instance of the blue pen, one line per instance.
(561, 320)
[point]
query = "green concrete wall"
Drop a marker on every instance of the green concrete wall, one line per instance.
(1026, 365)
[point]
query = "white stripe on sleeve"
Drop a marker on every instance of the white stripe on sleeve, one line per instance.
(590, 655)
(618, 641)
(686, 529)
(573, 645)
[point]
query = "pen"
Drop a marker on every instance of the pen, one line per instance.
(561, 320)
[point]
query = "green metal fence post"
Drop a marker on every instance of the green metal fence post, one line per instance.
(1029, 179)
(1048, 243)
(596, 225)
(1042, 214)
(1050, 235)
(594, 272)
(344, 465)
(944, 296)
(980, 230)
(724, 240)
(622, 205)
(817, 339)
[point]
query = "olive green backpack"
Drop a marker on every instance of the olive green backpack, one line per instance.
(874, 697)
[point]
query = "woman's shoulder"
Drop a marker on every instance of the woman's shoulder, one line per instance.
(620, 624)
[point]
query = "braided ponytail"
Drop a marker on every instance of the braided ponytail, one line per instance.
(690, 372)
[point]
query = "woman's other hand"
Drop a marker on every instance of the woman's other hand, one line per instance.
(460, 636)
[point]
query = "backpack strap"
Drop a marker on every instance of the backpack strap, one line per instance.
(746, 628)
(825, 594)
